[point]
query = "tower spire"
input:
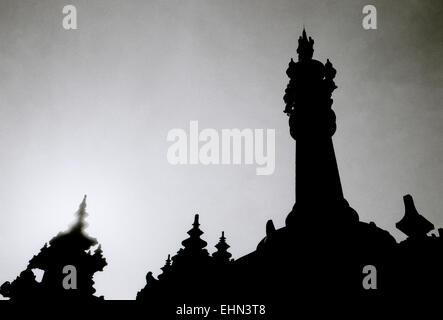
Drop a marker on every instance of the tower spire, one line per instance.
(312, 124)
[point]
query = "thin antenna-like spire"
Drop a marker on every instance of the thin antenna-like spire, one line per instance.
(81, 214)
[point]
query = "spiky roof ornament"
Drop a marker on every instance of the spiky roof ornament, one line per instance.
(305, 48)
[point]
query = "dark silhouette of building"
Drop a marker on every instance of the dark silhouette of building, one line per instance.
(66, 249)
(190, 274)
(324, 252)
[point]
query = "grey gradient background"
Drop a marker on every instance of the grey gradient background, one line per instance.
(88, 111)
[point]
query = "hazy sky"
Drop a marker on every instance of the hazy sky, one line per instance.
(87, 111)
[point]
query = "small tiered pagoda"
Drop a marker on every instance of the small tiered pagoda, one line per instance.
(222, 255)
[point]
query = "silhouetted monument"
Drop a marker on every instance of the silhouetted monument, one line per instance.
(312, 124)
(322, 254)
(324, 251)
(66, 249)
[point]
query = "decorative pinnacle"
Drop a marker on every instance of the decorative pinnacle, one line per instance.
(196, 224)
(81, 214)
(409, 205)
(222, 245)
(167, 265)
(82, 208)
(305, 48)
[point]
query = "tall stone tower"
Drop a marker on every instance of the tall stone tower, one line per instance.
(312, 124)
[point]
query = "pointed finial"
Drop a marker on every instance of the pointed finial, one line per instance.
(270, 228)
(305, 48)
(81, 214)
(409, 204)
(82, 208)
(196, 224)
(222, 247)
(167, 265)
(168, 261)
